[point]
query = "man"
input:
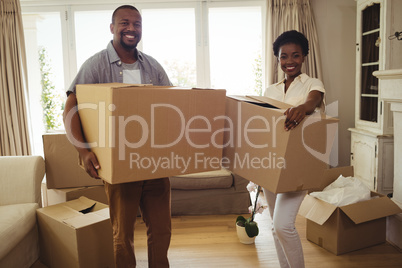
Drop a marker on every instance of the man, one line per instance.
(122, 62)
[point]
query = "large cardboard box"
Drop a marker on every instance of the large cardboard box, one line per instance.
(57, 196)
(146, 132)
(346, 228)
(258, 148)
(61, 160)
(77, 233)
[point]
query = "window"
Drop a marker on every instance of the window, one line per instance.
(45, 73)
(92, 33)
(235, 48)
(199, 43)
(168, 35)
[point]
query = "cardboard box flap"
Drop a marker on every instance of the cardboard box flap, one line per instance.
(316, 210)
(81, 204)
(331, 174)
(205, 88)
(116, 85)
(376, 208)
(59, 212)
(274, 103)
(262, 101)
(87, 219)
(103, 212)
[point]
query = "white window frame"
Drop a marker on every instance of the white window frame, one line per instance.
(67, 9)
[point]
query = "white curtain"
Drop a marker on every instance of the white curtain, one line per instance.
(285, 15)
(14, 137)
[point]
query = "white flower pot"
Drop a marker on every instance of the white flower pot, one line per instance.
(243, 237)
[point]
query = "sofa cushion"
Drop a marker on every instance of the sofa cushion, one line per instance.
(218, 179)
(15, 223)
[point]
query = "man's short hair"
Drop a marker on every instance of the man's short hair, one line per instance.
(123, 7)
(291, 37)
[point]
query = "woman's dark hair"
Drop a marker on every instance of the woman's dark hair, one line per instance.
(291, 37)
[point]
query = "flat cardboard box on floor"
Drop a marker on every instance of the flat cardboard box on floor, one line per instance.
(61, 160)
(57, 196)
(77, 233)
(141, 132)
(346, 228)
(258, 148)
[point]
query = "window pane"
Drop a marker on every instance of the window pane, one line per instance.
(168, 35)
(43, 43)
(92, 33)
(235, 49)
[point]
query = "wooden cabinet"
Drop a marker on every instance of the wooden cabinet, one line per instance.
(373, 160)
(372, 137)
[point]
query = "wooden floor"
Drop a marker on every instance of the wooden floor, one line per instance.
(211, 241)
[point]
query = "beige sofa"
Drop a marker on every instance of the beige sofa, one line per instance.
(20, 196)
(209, 193)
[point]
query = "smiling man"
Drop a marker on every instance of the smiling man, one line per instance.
(126, 28)
(121, 62)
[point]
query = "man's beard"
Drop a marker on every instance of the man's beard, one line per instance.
(124, 45)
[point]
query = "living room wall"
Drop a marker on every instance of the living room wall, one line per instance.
(336, 26)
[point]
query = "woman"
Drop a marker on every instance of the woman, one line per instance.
(306, 95)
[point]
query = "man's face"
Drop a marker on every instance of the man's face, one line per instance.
(127, 28)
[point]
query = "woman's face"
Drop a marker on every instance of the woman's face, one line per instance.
(291, 59)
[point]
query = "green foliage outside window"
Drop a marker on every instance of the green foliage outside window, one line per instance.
(257, 68)
(52, 103)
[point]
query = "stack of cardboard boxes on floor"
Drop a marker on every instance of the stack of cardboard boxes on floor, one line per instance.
(74, 225)
(65, 179)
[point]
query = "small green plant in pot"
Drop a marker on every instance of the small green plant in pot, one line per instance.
(250, 225)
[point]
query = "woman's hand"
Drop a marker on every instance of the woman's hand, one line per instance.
(294, 116)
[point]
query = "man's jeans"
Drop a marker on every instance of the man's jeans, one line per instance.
(153, 198)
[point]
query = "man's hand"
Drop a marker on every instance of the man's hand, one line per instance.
(91, 163)
(72, 123)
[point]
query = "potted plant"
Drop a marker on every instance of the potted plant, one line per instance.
(247, 229)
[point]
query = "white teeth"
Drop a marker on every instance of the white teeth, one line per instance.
(130, 36)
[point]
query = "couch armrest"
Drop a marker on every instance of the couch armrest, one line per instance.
(21, 178)
(240, 183)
